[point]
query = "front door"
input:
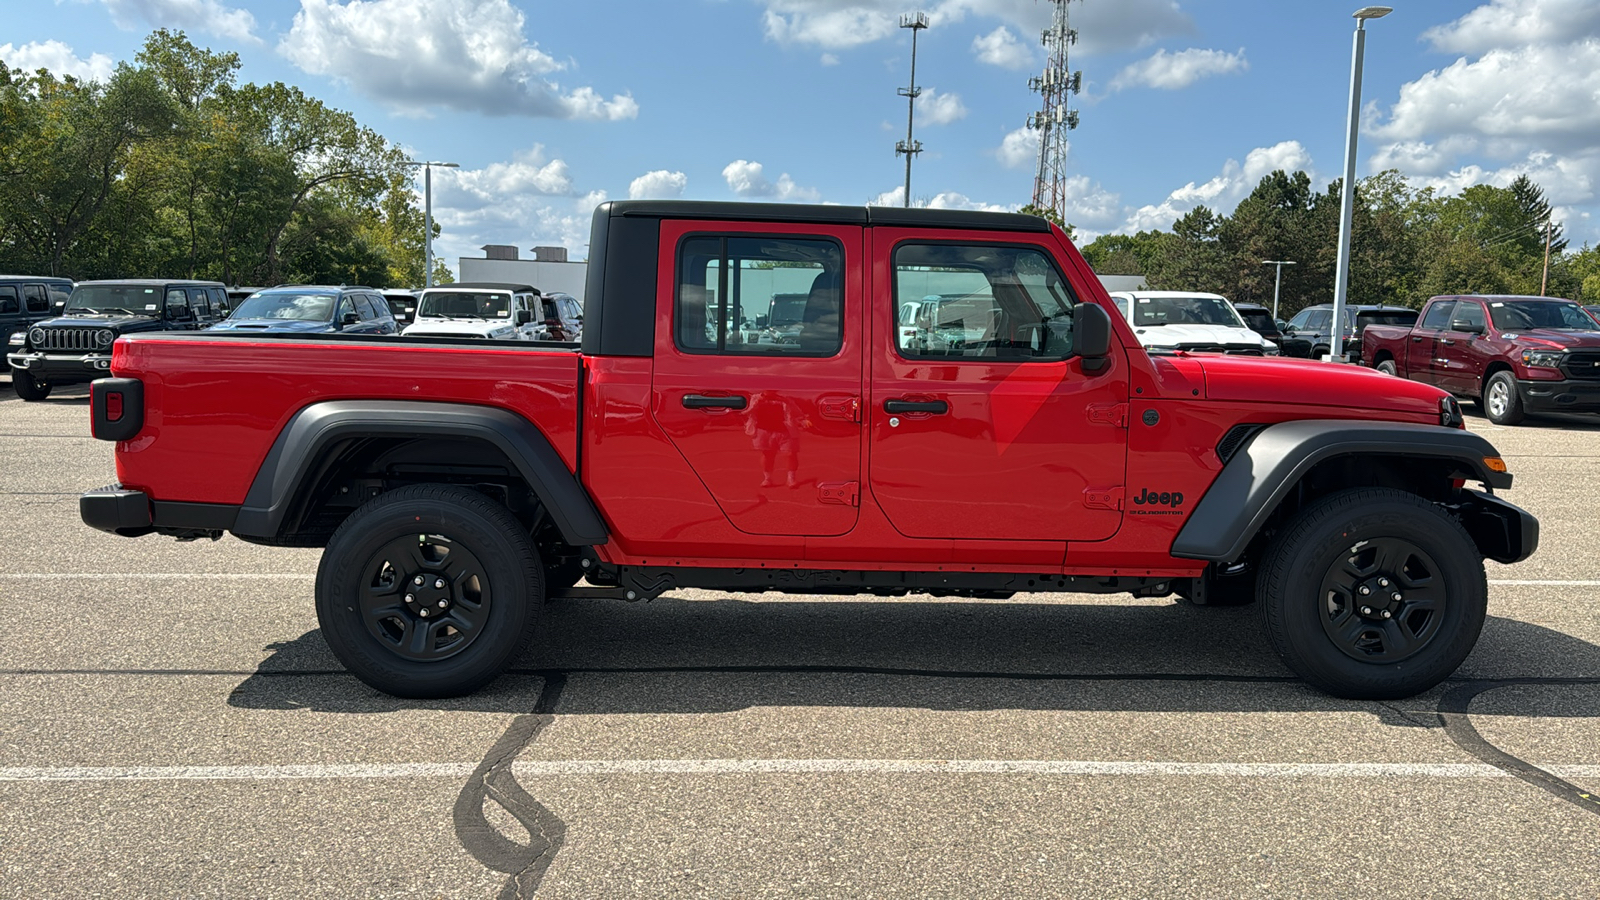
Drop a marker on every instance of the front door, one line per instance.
(768, 415)
(1462, 352)
(982, 423)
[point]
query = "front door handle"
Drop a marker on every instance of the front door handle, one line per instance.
(701, 401)
(937, 407)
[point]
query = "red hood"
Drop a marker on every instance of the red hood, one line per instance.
(1255, 380)
(1560, 340)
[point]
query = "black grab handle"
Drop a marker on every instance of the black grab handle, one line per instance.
(916, 406)
(701, 401)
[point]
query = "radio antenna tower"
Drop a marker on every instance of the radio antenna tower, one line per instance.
(1055, 117)
(916, 22)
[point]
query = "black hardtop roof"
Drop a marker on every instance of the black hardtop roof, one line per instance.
(489, 286)
(1365, 307)
(1498, 297)
(317, 287)
(155, 281)
(34, 278)
(824, 215)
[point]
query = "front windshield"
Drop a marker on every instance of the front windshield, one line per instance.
(124, 299)
(464, 305)
(294, 305)
(1192, 310)
(1521, 315)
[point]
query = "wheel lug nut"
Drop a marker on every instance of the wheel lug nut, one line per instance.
(1395, 596)
(1366, 610)
(1383, 582)
(1387, 614)
(419, 579)
(438, 582)
(423, 612)
(443, 604)
(411, 598)
(1365, 590)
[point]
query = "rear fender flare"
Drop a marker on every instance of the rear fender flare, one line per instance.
(1258, 477)
(312, 430)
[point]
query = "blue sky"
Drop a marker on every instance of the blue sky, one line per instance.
(551, 108)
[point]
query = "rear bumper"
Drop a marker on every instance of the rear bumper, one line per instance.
(129, 513)
(61, 368)
(1559, 396)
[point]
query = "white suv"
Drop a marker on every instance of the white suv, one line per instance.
(1188, 320)
(477, 309)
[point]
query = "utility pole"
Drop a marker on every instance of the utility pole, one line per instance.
(910, 147)
(1055, 117)
(1347, 191)
(1544, 282)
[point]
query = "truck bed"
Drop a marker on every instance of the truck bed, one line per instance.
(215, 403)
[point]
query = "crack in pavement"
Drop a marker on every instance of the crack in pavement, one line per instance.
(1454, 713)
(494, 780)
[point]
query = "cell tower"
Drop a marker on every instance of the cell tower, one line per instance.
(1055, 117)
(910, 147)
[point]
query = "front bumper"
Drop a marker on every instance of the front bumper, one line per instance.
(61, 368)
(1504, 532)
(1560, 396)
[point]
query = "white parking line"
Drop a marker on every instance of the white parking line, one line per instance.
(293, 576)
(1548, 583)
(648, 767)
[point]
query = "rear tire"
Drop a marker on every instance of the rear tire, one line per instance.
(1388, 367)
(27, 387)
(1392, 545)
(1501, 402)
(429, 591)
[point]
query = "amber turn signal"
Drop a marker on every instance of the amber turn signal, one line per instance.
(1495, 463)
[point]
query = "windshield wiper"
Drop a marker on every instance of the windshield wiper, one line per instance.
(93, 309)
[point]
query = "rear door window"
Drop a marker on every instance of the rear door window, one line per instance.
(759, 296)
(37, 298)
(364, 307)
(200, 301)
(177, 303)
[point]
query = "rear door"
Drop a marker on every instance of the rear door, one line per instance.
(1422, 348)
(769, 421)
(982, 424)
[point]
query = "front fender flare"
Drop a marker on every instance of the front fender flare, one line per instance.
(1258, 477)
(315, 428)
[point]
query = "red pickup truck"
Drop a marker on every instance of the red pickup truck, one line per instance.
(1027, 444)
(1514, 355)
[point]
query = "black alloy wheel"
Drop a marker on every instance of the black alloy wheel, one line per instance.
(28, 387)
(429, 591)
(1373, 594)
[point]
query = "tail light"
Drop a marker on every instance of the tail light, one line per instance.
(116, 408)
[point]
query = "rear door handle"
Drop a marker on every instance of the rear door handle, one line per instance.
(937, 407)
(701, 401)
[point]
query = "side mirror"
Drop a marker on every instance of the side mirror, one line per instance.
(1468, 328)
(350, 319)
(1091, 336)
(524, 316)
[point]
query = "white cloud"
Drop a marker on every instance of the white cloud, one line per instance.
(1508, 23)
(953, 200)
(935, 108)
(1019, 148)
(206, 16)
(1102, 27)
(1173, 71)
(745, 179)
(828, 59)
(418, 54)
(1223, 192)
(527, 175)
(58, 58)
(525, 202)
(658, 185)
(896, 197)
(1001, 48)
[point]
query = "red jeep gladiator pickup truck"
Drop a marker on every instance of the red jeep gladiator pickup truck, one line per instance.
(1514, 355)
(1014, 437)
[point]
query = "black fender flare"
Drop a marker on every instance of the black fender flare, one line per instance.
(314, 428)
(1258, 477)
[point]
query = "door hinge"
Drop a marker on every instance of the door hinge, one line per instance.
(844, 493)
(1103, 498)
(846, 408)
(1109, 414)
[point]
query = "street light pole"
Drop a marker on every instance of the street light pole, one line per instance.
(427, 214)
(1278, 282)
(1341, 279)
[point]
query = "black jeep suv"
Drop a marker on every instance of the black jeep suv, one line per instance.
(26, 299)
(76, 347)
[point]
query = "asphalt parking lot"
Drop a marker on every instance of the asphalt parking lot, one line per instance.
(172, 724)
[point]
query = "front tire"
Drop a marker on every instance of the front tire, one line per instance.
(1373, 594)
(30, 389)
(1501, 402)
(429, 591)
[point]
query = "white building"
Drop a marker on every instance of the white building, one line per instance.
(549, 270)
